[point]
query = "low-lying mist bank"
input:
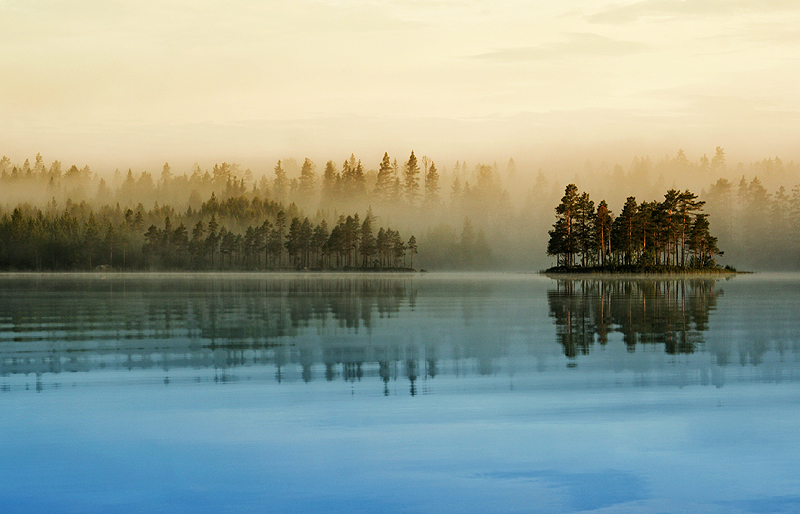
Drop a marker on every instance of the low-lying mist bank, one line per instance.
(463, 216)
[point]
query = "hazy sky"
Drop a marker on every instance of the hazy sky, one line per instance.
(138, 82)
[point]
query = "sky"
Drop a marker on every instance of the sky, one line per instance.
(135, 83)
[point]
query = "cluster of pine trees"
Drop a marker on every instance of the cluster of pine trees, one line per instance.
(236, 234)
(670, 233)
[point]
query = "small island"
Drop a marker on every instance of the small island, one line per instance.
(668, 237)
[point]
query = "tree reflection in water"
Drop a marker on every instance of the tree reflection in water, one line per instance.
(391, 329)
(63, 324)
(646, 312)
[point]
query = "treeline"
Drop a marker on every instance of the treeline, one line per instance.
(237, 234)
(751, 220)
(407, 193)
(671, 233)
(483, 216)
(412, 182)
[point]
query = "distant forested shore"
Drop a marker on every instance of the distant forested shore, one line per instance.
(477, 216)
(257, 236)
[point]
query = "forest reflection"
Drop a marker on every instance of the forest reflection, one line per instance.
(62, 325)
(674, 313)
(392, 328)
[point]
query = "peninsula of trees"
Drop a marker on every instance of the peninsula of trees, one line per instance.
(256, 236)
(667, 236)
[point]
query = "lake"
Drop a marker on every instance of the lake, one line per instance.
(398, 393)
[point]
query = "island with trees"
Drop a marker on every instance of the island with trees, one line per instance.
(670, 236)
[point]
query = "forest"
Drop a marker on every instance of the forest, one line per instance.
(74, 239)
(669, 235)
(464, 217)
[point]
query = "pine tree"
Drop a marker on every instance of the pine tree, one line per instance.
(602, 227)
(671, 225)
(382, 247)
(455, 190)
(278, 235)
(584, 227)
(563, 241)
(319, 238)
(212, 239)
(411, 179)
(367, 241)
(623, 231)
(166, 176)
(280, 183)
(197, 245)
(348, 178)
(91, 238)
(718, 161)
(109, 241)
(702, 244)
(396, 190)
(292, 243)
(557, 244)
(304, 241)
(330, 183)
(384, 180)
(307, 180)
(412, 248)
(359, 181)
(432, 185)
(265, 239)
(687, 205)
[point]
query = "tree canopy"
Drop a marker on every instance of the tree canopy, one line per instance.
(672, 233)
(236, 234)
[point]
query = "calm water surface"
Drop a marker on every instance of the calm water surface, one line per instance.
(382, 393)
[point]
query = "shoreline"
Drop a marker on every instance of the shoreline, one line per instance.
(640, 271)
(112, 271)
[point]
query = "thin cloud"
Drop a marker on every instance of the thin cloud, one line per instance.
(775, 34)
(580, 44)
(688, 8)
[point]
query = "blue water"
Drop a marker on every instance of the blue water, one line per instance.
(376, 393)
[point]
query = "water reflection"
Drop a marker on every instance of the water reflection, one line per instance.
(386, 329)
(56, 325)
(673, 313)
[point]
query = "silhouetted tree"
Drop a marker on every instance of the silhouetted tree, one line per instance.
(411, 179)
